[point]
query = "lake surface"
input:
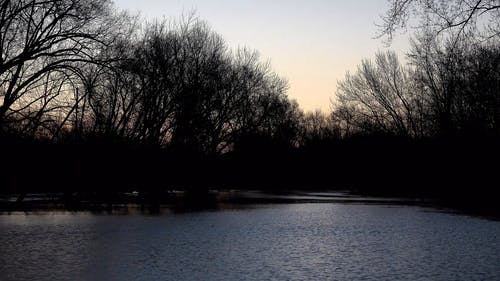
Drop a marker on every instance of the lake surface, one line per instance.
(318, 241)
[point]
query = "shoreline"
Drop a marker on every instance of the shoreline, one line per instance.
(217, 200)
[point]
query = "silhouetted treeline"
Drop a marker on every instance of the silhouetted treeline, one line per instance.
(95, 100)
(174, 85)
(451, 92)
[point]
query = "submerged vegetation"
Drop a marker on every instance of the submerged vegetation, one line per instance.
(96, 100)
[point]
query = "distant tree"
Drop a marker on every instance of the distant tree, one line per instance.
(448, 89)
(282, 124)
(345, 119)
(253, 100)
(203, 79)
(198, 94)
(318, 127)
(456, 17)
(381, 96)
(275, 124)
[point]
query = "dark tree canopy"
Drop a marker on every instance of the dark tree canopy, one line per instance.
(78, 70)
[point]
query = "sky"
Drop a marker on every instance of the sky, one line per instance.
(311, 43)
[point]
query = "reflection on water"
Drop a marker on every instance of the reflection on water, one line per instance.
(179, 201)
(271, 242)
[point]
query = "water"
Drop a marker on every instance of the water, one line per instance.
(271, 242)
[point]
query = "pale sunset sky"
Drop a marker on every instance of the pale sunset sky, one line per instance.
(310, 43)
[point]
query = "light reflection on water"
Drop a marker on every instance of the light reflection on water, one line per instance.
(271, 242)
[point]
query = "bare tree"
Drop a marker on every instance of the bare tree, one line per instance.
(180, 86)
(456, 17)
(318, 127)
(459, 83)
(45, 38)
(382, 96)
(345, 120)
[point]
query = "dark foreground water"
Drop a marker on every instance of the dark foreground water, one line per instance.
(271, 242)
